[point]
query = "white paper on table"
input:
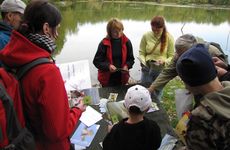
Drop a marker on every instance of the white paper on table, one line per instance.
(90, 116)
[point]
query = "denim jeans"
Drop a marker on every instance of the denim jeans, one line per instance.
(147, 77)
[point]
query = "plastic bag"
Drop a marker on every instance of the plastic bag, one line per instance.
(184, 101)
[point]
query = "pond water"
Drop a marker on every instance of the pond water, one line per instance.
(84, 26)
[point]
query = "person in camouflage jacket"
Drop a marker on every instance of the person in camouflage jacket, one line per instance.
(209, 124)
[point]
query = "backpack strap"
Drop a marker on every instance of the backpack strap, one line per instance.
(17, 135)
(13, 125)
(24, 69)
(19, 75)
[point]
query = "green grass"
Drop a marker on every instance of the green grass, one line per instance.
(168, 99)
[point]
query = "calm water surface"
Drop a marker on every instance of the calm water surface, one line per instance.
(81, 34)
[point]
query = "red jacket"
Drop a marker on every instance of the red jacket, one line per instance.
(45, 96)
(104, 76)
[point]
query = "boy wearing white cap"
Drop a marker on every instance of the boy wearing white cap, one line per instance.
(11, 11)
(135, 132)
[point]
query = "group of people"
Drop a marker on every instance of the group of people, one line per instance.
(201, 67)
(114, 56)
(28, 38)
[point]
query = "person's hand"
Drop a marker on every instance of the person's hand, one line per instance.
(151, 89)
(81, 105)
(160, 62)
(220, 71)
(110, 127)
(112, 68)
(218, 62)
(125, 68)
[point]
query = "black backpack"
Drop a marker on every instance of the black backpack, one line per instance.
(12, 135)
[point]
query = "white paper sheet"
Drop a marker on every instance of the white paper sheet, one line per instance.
(90, 116)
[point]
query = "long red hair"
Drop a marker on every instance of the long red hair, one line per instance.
(159, 22)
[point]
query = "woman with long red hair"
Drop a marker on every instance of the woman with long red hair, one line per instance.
(156, 50)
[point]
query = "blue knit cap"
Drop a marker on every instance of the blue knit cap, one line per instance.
(195, 66)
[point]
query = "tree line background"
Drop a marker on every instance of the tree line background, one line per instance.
(183, 2)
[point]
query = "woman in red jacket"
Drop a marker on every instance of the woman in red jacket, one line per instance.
(46, 103)
(114, 56)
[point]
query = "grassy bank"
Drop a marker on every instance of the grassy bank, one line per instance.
(168, 99)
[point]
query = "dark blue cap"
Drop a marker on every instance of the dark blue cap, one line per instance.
(195, 66)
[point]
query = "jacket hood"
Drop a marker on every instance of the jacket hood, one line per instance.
(20, 51)
(5, 27)
(219, 101)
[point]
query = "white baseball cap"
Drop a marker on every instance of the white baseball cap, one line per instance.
(138, 96)
(13, 6)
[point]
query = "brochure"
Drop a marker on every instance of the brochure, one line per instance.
(83, 135)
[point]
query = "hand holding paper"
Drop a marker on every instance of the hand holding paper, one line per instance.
(81, 105)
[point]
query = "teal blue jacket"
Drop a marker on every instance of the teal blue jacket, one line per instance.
(5, 32)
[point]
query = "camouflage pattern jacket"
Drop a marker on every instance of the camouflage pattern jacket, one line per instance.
(209, 125)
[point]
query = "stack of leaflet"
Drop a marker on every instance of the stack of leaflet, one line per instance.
(86, 131)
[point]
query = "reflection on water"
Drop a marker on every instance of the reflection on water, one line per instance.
(81, 42)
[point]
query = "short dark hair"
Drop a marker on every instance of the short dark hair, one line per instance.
(135, 110)
(36, 14)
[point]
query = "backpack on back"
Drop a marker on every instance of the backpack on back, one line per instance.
(13, 131)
